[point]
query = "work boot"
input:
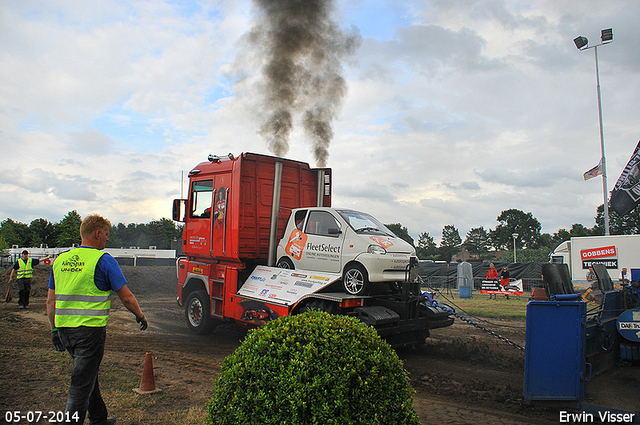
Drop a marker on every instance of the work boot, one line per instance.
(111, 420)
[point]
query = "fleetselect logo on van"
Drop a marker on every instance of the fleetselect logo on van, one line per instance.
(607, 251)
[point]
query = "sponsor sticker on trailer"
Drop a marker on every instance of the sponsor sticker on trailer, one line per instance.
(284, 286)
(607, 251)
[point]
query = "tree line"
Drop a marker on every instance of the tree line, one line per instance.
(498, 244)
(66, 233)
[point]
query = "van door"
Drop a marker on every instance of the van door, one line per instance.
(323, 247)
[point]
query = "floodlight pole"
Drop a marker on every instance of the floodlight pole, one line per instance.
(605, 186)
(603, 160)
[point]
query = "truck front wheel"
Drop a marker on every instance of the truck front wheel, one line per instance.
(355, 280)
(197, 313)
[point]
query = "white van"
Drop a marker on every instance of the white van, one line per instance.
(349, 242)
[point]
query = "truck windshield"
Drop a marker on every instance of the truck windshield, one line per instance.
(364, 223)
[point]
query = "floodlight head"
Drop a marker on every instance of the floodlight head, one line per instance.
(580, 42)
(607, 35)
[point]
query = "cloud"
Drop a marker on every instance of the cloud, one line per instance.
(63, 187)
(90, 142)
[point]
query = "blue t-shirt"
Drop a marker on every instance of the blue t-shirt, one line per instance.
(108, 274)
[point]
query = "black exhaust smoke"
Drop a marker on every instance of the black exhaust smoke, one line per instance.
(304, 48)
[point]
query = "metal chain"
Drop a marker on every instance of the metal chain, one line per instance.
(435, 303)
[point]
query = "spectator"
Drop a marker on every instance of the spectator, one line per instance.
(504, 280)
(625, 277)
(492, 274)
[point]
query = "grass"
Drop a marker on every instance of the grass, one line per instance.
(481, 306)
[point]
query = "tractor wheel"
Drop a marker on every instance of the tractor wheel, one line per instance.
(355, 280)
(197, 311)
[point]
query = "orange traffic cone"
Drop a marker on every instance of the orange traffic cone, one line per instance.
(148, 382)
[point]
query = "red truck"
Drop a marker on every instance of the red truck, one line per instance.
(237, 210)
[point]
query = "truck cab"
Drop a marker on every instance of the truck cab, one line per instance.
(349, 242)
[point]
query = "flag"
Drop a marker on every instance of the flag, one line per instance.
(594, 172)
(626, 193)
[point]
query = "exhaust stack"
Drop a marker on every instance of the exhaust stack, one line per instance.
(275, 210)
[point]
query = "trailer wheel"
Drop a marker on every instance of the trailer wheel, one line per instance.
(197, 313)
(285, 263)
(355, 280)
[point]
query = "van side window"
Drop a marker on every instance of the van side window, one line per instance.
(299, 219)
(201, 199)
(323, 224)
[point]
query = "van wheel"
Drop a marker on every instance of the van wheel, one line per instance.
(197, 313)
(355, 280)
(285, 263)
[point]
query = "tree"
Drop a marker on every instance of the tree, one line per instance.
(156, 233)
(164, 231)
(578, 230)
(560, 236)
(42, 232)
(477, 241)
(629, 224)
(400, 231)
(69, 229)
(4, 246)
(546, 241)
(450, 243)
(539, 255)
(515, 221)
(426, 248)
(15, 233)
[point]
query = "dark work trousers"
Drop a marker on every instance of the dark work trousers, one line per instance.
(86, 346)
(24, 289)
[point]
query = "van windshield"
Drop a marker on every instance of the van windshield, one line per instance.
(364, 223)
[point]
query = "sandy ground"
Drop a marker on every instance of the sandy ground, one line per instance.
(461, 375)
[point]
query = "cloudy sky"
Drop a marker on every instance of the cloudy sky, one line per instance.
(455, 111)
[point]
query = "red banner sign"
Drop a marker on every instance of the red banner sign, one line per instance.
(607, 251)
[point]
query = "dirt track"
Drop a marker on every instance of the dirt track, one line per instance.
(461, 375)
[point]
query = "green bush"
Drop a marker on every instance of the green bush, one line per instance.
(312, 368)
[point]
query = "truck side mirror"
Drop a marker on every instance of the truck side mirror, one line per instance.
(177, 207)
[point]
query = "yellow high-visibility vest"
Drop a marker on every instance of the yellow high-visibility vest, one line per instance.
(25, 269)
(79, 302)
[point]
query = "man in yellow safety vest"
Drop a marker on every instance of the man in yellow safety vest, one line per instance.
(78, 304)
(24, 268)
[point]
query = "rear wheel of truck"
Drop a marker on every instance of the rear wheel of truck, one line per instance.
(197, 313)
(285, 263)
(355, 280)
